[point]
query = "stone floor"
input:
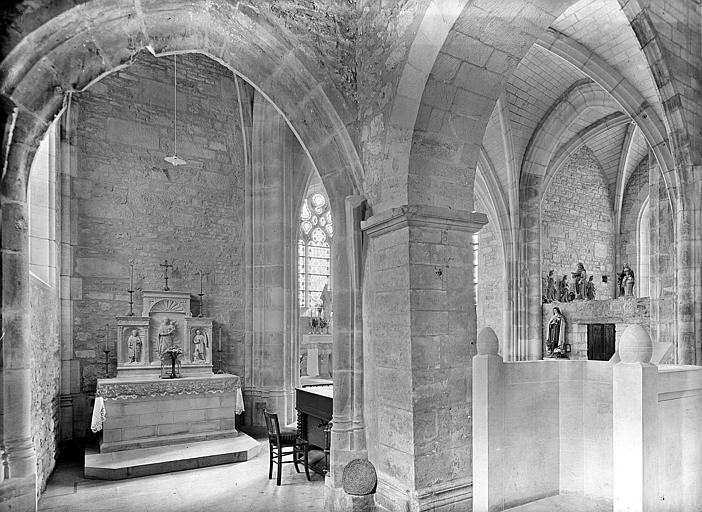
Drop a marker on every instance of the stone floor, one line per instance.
(230, 487)
(225, 488)
(566, 503)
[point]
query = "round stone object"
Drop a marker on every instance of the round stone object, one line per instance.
(488, 345)
(635, 345)
(359, 478)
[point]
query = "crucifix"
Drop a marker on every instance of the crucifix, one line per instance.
(165, 266)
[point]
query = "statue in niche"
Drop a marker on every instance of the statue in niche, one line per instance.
(551, 290)
(626, 281)
(555, 340)
(580, 279)
(166, 335)
(590, 289)
(134, 345)
(201, 345)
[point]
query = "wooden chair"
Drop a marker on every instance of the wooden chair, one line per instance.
(277, 442)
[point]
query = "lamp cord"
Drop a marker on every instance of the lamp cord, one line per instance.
(175, 104)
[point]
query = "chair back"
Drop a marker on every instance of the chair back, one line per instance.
(273, 428)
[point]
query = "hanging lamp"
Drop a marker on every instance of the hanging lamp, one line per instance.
(175, 160)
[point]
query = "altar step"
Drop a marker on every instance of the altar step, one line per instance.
(166, 459)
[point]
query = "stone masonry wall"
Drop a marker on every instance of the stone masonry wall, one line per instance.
(576, 222)
(635, 194)
(46, 376)
(491, 279)
(133, 207)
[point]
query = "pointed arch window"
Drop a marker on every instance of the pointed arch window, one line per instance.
(314, 250)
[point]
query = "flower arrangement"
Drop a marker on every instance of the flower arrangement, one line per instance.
(173, 352)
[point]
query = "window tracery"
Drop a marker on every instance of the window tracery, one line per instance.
(314, 250)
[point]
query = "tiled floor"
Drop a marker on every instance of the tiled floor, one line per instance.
(243, 486)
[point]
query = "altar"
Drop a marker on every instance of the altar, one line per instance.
(165, 410)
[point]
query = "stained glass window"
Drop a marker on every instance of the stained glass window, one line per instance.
(314, 250)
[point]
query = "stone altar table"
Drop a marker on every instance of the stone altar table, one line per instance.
(145, 412)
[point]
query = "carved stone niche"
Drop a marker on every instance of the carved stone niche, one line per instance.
(166, 321)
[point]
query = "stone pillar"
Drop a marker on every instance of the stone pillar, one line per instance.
(488, 424)
(635, 404)
(18, 480)
(529, 280)
(348, 433)
(272, 367)
(70, 286)
(418, 357)
(654, 198)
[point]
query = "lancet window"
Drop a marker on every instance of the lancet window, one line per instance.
(314, 250)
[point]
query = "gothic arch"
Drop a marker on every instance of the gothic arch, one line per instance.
(74, 48)
(65, 55)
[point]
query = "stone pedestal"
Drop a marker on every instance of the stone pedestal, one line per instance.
(142, 412)
(635, 408)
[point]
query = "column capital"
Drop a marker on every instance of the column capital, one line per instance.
(423, 216)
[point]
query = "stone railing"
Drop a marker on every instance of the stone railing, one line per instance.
(626, 432)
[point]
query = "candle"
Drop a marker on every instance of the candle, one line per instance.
(220, 339)
(131, 277)
(107, 337)
(201, 282)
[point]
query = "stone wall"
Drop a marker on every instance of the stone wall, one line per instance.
(133, 207)
(576, 222)
(46, 376)
(491, 279)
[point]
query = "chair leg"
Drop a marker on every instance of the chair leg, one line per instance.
(306, 463)
(270, 462)
(296, 458)
(280, 463)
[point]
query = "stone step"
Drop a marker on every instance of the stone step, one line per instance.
(165, 459)
(154, 441)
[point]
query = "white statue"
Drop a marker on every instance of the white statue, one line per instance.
(166, 335)
(201, 344)
(134, 345)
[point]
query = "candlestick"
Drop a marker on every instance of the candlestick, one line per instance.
(220, 339)
(107, 350)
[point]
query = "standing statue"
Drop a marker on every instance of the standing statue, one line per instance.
(580, 277)
(134, 345)
(563, 293)
(201, 344)
(555, 341)
(166, 335)
(626, 281)
(551, 291)
(590, 289)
